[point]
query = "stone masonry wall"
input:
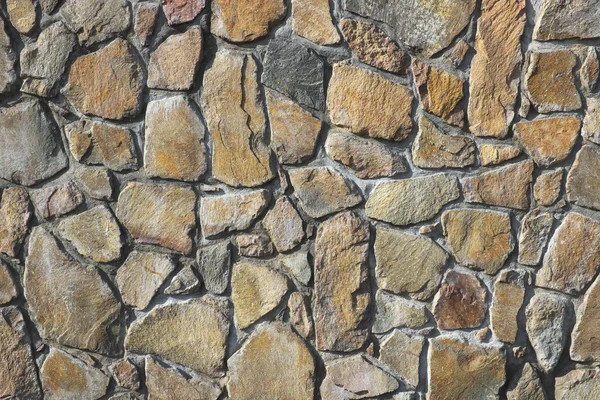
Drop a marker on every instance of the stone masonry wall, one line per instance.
(299, 199)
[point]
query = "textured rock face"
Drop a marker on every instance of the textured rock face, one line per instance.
(55, 201)
(535, 229)
(580, 383)
(311, 19)
(284, 225)
(509, 291)
(245, 21)
(547, 187)
(8, 291)
(8, 76)
(548, 140)
(214, 262)
(591, 122)
(95, 22)
(584, 342)
(233, 212)
(583, 180)
(96, 182)
(397, 312)
(145, 21)
(170, 384)
(492, 154)
(14, 220)
(181, 11)
(460, 303)
(301, 321)
(526, 385)
(570, 19)
(402, 353)
(22, 15)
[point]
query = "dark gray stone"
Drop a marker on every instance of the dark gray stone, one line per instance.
(214, 262)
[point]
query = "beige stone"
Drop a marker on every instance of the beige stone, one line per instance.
(401, 353)
(311, 19)
(568, 20)
(583, 180)
(15, 215)
(182, 11)
(254, 244)
(145, 21)
(55, 201)
(533, 237)
(298, 305)
(591, 123)
(526, 385)
(460, 303)
(492, 154)
(245, 21)
(548, 140)
(22, 15)
(585, 337)
(94, 21)
(397, 312)
(169, 384)
(578, 384)
(8, 290)
(547, 187)
(509, 291)
(590, 69)
(96, 182)
(284, 225)
(8, 76)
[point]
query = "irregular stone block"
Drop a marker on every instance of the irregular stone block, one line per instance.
(297, 265)
(401, 353)
(397, 312)
(298, 305)
(22, 15)
(96, 182)
(533, 237)
(583, 180)
(15, 215)
(170, 384)
(8, 290)
(586, 334)
(578, 384)
(245, 21)
(546, 189)
(145, 21)
(591, 123)
(185, 282)
(126, 374)
(526, 385)
(284, 225)
(566, 20)
(213, 263)
(8, 75)
(95, 22)
(311, 19)
(509, 291)
(181, 11)
(492, 154)
(460, 303)
(55, 201)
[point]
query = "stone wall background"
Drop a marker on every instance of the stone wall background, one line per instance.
(294, 200)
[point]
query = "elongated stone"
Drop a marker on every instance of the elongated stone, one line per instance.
(591, 123)
(214, 264)
(169, 384)
(298, 304)
(8, 290)
(492, 154)
(509, 291)
(586, 334)
(8, 76)
(311, 19)
(15, 215)
(546, 189)
(95, 22)
(460, 303)
(566, 20)
(590, 70)
(583, 180)
(533, 237)
(401, 353)
(245, 21)
(145, 21)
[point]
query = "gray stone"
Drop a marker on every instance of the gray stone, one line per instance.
(397, 312)
(169, 384)
(569, 19)
(284, 225)
(546, 189)
(591, 123)
(298, 306)
(535, 231)
(95, 22)
(8, 290)
(214, 265)
(15, 215)
(584, 340)
(401, 353)
(509, 291)
(526, 385)
(254, 244)
(578, 384)
(55, 201)
(297, 265)
(583, 180)
(96, 182)
(185, 282)
(8, 75)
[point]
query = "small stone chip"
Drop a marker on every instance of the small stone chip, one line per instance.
(492, 154)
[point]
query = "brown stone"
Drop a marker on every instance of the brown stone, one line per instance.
(495, 69)
(479, 239)
(401, 353)
(126, 374)
(591, 122)
(48, 5)
(456, 55)
(311, 19)
(492, 154)
(526, 385)
(15, 215)
(96, 182)
(22, 15)
(55, 201)
(548, 140)
(460, 303)
(369, 104)
(145, 21)
(107, 83)
(586, 334)
(547, 187)
(181, 11)
(590, 70)
(298, 305)
(533, 237)
(284, 225)
(169, 384)
(509, 291)
(341, 296)
(245, 21)
(254, 244)
(583, 180)
(578, 384)
(8, 290)
(505, 187)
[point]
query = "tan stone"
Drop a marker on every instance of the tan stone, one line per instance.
(15, 215)
(254, 244)
(509, 291)
(460, 303)
(590, 69)
(8, 290)
(547, 187)
(284, 225)
(492, 154)
(568, 20)
(126, 374)
(145, 21)
(8, 76)
(526, 385)
(341, 294)
(533, 237)
(181, 11)
(401, 353)
(22, 15)
(298, 305)
(95, 21)
(96, 182)
(311, 19)
(170, 384)
(495, 69)
(369, 104)
(583, 180)
(591, 123)
(456, 55)
(397, 312)
(548, 140)
(586, 334)
(55, 201)
(245, 21)
(578, 384)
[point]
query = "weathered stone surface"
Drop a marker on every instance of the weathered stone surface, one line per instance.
(408, 264)
(409, 201)
(126, 374)
(439, 23)
(140, 276)
(94, 233)
(355, 377)
(590, 70)
(397, 312)
(284, 225)
(492, 154)
(55, 201)
(578, 384)
(31, 149)
(583, 180)
(43, 62)
(15, 215)
(232, 212)
(236, 121)
(175, 61)
(181, 11)
(369, 104)
(95, 22)
(573, 255)
(48, 5)
(401, 353)
(184, 282)
(298, 305)
(213, 263)
(254, 244)
(460, 303)
(145, 21)
(586, 334)
(8, 76)
(169, 384)
(158, 214)
(374, 47)
(311, 19)
(526, 385)
(509, 291)
(245, 21)
(97, 143)
(22, 15)
(456, 55)
(297, 265)
(8, 291)
(548, 140)
(506, 187)
(96, 182)
(341, 294)
(18, 375)
(565, 20)
(322, 191)
(170, 331)
(70, 303)
(256, 289)
(547, 187)
(479, 239)
(434, 149)
(367, 158)
(535, 230)
(65, 377)
(548, 326)
(495, 69)
(109, 82)
(464, 371)
(274, 363)
(591, 123)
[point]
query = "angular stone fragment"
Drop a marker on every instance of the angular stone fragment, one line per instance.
(294, 131)
(213, 264)
(434, 149)
(573, 256)
(460, 303)
(55, 201)
(175, 61)
(566, 20)
(397, 312)
(409, 201)
(109, 82)
(158, 214)
(526, 385)
(48, 5)
(31, 150)
(548, 140)
(181, 11)
(245, 21)
(96, 182)
(374, 47)
(590, 70)
(369, 104)
(547, 187)
(367, 158)
(401, 353)
(578, 384)
(341, 294)
(311, 19)
(478, 239)
(8, 291)
(274, 363)
(185, 282)
(126, 374)
(548, 327)
(65, 377)
(145, 21)
(585, 338)
(297, 265)
(299, 318)
(284, 225)
(70, 303)
(170, 384)
(236, 121)
(95, 22)
(170, 331)
(15, 215)
(43, 62)
(254, 244)
(322, 191)
(583, 180)
(456, 55)
(8, 76)
(22, 15)
(509, 291)
(533, 237)
(492, 154)
(232, 212)
(495, 69)
(505, 187)
(18, 374)
(591, 122)
(408, 264)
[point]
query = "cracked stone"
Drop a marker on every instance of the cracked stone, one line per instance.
(493, 154)
(546, 189)
(533, 237)
(95, 22)
(145, 22)
(401, 353)
(181, 11)
(566, 20)
(55, 201)
(583, 180)
(298, 305)
(460, 303)
(586, 334)
(548, 140)
(96, 182)
(8, 75)
(509, 292)
(311, 19)
(578, 384)
(169, 384)
(245, 21)
(213, 264)
(15, 215)
(284, 225)
(185, 282)
(397, 312)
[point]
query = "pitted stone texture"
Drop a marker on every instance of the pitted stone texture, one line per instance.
(591, 122)
(369, 104)
(170, 332)
(15, 215)
(55, 201)
(322, 191)
(94, 21)
(526, 385)
(299, 307)
(585, 338)
(409, 201)
(509, 291)
(245, 21)
(401, 353)
(107, 83)
(22, 15)
(573, 256)
(547, 187)
(8, 290)
(533, 237)
(492, 154)
(70, 303)
(169, 384)
(145, 21)
(460, 303)
(505, 187)
(311, 19)
(583, 180)
(408, 264)
(31, 150)
(578, 384)
(96, 182)
(236, 120)
(159, 214)
(8, 76)
(341, 296)
(181, 11)
(397, 312)
(456, 55)
(567, 19)
(214, 264)
(284, 225)
(496, 66)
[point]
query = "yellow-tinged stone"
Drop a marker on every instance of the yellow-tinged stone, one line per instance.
(492, 154)
(585, 343)
(169, 384)
(22, 15)
(547, 187)
(509, 291)
(245, 21)
(311, 19)
(14, 220)
(548, 140)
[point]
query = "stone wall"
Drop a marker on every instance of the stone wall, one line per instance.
(299, 199)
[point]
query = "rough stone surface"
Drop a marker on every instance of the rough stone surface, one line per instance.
(401, 353)
(579, 383)
(96, 182)
(181, 11)
(169, 384)
(55, 201)
(526, 385)
(492, 154)
(299, 318)
(583, 180)
(245, 21)
(231, 212)
(8, 291)
(548, 140)
(311, 19)
(284, 225)
(397, 312)
(569, 19)
(297, 265)
(533, 237)
(8, 76)
(509, 292)
(126, 374)
(22, 15)
(213, 265)
(15, 215)
(590, 70)
(584, 342)
(591, 123)
(460, 303)
(145, 21)
(547, 187)
(95, 22)
(185, 282)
